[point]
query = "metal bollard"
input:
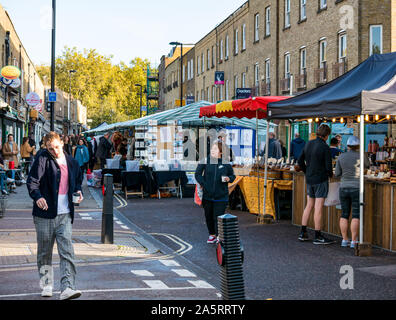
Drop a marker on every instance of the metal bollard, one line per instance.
(107, 211)
(230, 257)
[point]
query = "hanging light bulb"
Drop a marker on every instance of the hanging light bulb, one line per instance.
(342, 120)
(334, 119)
(317, 120)
(310, 120)
(388, 117)
(367, 117)
(358, 119)
(376, 117)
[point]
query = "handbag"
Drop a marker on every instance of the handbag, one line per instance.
(198, 194)
(333, 197)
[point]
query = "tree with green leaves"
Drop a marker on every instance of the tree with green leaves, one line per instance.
(108, 91)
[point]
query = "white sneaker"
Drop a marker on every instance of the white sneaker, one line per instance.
(47, 292)
(9, 180)
(70, 294)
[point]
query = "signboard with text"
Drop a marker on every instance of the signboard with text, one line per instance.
(243, 93)
(219, 78)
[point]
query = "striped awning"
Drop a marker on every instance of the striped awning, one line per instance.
(255, 107)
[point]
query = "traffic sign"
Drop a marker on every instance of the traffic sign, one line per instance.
(52, 96)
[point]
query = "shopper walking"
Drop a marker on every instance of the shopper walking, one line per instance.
(81, 154)
(315, 161)
(11, 150)
(104, 149)
(26, 153)
(297, 146)
(214, 177)
(53, 179)
(348, 168)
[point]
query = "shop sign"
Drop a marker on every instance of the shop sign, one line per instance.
(243, 93)
(16, 83)
(10, 72)
(32, 99)
(219, 78)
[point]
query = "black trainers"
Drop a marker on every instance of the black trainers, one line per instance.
(322, 240)
(303, 236)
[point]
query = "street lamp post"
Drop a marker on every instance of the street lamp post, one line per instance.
(69, 103)
(53, 63)
(141, 97)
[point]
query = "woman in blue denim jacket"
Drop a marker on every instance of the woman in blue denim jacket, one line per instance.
(81, 154)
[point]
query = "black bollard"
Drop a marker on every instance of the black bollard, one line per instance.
(107, 211)
(230, 257)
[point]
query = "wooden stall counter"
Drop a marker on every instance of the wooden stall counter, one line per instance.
(379, 212)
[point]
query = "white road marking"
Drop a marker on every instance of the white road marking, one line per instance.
(84, 214)
(184, 246)
(124, 227)
(184, 273)
(86, 218)
(156, 284)
(119, 222)
(169, 263)
(142, 273)
(201, 284)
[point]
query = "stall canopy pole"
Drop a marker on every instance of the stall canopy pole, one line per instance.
(361, 200)
(257, 163)
(261, 218)
(289, 142)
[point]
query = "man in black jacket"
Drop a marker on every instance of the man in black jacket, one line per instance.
(104, 149)
(53, 179)
(315, 161)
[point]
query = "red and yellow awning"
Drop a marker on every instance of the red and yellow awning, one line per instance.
(244, 108)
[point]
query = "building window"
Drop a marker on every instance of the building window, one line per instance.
(227, 84)
(342, 46)
(235, 86)
(287, 65)
(303, 10)
(213, 94)
(203, 63)
(267, 71)
(256, 27)
(198, 69)
(221, 50)
(287, 13)
(375, 39)
(192, 69)
(323, 4)
(236, 42)
(303, 60)
(221, 93)
(244, 37)
(188, 70)
(208, 54)
(227, 47)
(207, 94)
(256, 75)
(267, 21)
(213, 56)
(322, 53)
(244, 80)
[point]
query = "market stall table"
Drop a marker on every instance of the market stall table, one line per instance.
(163, 177)
(116, 173)
(134, 180)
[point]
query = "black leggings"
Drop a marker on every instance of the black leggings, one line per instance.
(212, 211)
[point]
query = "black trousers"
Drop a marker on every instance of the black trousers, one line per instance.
(212, 211)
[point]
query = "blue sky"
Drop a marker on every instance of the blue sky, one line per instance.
(123, 28)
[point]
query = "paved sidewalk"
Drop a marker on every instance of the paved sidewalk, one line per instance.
(104, 271)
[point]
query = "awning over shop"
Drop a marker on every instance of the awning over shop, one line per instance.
(255, 107)
(366, 89)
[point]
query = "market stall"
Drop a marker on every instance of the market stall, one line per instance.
(255, 107)
(365, 94)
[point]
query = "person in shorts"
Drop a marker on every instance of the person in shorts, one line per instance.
(315, 161)
(348, 168)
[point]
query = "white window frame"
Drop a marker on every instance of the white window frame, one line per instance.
(256, 27)
(227, 47)
(244, 80)
(192, 69)
(303, 60)
(221, 93)
(236, 41)
(256, 74)
(244, 37)
(221, 50)
(213, 94)
(227, 88)
(342, 53)
(235, 85)
(322, 52)
(323, 4)
(287, 13)
(303, 9)
(267, 71)
(208, 53)
(287, 65)
(268, 21)
(198, 66)
(203, 63)
(371, 37)
(208, 93)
